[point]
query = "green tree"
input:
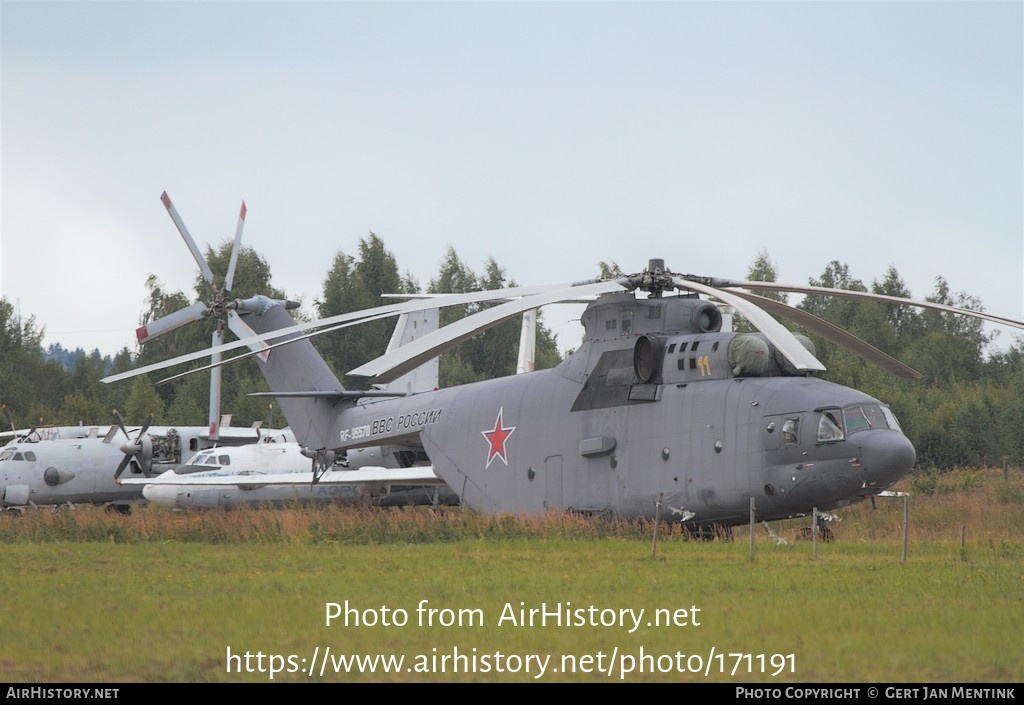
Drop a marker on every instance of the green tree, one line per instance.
(31, 388)
(144, 401)
(354, 285)
(609, 270)
(950, 346)
(77, 408)
(493, 353)
(190, 403)
(904, 319)
(761, 270)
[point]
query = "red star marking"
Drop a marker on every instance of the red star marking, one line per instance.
(496, 440)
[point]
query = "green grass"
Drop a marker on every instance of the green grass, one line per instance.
(161, 597)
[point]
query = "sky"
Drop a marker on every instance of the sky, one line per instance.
(549, 136)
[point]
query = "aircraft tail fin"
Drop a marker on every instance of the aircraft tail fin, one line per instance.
(408, 328)
(309, 388)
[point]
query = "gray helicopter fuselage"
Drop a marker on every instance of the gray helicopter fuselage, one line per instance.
(704, 448)
(657, 405)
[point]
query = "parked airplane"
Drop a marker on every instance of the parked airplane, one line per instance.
(44, 432)
(64, 471)
(36, 434)
(276, 474)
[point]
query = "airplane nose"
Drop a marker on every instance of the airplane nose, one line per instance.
(161, 495)
(886, 456)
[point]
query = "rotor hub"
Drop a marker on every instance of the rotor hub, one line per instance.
(655, 280)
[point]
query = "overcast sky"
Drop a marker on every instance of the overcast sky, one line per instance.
(547, 135)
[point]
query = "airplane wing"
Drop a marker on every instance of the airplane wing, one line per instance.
(418, 475)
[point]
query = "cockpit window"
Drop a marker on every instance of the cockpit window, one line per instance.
(862, 417)
(891, 419)
(225, 460)
(830, 426)
(791, 429)
(15, 454)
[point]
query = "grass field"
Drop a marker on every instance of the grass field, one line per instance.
(166, 597)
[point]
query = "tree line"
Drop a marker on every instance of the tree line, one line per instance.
(966, 411)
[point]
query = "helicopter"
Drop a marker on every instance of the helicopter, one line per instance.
(659, 413)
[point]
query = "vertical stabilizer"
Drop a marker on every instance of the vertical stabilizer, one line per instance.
(411, 326)
(298, 367)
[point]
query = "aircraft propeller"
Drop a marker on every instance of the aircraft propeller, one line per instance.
(322, 460)
(140, 448)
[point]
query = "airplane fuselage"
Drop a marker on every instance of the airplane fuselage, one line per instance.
(81, 470)
(68, 471)
(185, 487)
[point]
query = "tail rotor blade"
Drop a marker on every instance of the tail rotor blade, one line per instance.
(234, 249)
(170, 322)
(196, 254)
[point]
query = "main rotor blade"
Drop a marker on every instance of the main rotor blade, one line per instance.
(821, 290)
(833, 334)
(527, 361)
(366, 315)
(270, 347)
(234, 249)
(408, 357)
(196, 254)
(171, 321)
(777, 334)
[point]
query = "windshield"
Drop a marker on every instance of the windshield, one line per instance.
(207, 457)
(835, 424)
(15, 454)
(861, 417)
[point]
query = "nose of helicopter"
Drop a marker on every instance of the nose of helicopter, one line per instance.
(886, 456)
(161, 495)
